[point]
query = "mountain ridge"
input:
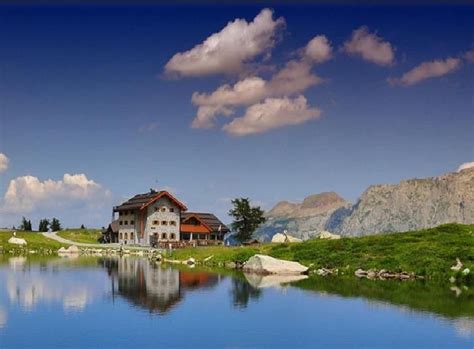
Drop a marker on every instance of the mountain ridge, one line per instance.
(409, 205)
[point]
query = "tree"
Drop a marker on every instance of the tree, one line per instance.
(25, 224)
(246, 218)
(43, 225)
(55, 225)
(82, 226)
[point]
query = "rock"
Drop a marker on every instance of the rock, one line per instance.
(452, 279)
(230, 265)
(262, 264)
(73, 249)
(190, 261)
(326, 271)
(328, 236)
(284, 237)
(159, 258)
(466, 271)
(360, 273)
(458, 265)
(263, 281)
(16, 241)
(62, 250)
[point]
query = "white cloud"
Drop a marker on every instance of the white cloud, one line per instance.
(427, 70)
(469, 56)
(295, 77)
(319, 49)
(27, 193)
(465, 166)
(370, 47)
(228, 50)
(272, 113)
(3, 162)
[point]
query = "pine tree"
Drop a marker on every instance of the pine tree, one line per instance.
(246, 218)
(55, 225)
(25, 224)
(43, 225)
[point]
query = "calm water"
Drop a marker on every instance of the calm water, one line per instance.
(127, 302)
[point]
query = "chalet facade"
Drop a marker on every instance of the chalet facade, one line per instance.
(157, 218)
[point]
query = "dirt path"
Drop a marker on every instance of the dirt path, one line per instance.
(54, 236)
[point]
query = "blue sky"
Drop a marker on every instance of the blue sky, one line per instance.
(84, 90)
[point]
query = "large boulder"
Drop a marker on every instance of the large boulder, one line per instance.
(16, 241)
(262, 264)
(284, 237)
(328, 236)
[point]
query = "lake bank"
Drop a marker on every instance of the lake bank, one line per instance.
(428, 253)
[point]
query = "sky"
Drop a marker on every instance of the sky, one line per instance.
(271, 102)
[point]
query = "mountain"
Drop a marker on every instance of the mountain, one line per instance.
(410, 205)
(305, 219)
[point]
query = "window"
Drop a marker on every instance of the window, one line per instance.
(173, 223)
(171, 209)
(156, 222)
(163, 235)
(121, 223)
(131, 236)
(157, 209)
(132, 222)
(120, 213)
(126, 222)
(173, 236)
(126, 236)
(163, 209)
(121, 236)
(164, 223)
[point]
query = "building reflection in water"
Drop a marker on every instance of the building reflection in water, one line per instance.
(154, 287)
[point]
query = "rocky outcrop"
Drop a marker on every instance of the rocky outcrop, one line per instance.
(265, 265)
(413, 204)
(284, 237)
(304, 220)
(325, 235)
(16, 241)
(410, 205)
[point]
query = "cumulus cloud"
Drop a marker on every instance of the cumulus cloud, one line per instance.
(27, 193)
(469, 56)
(4, 161)
(228, 50)
(370, 47)
(272, 113)
(293, 78)
(319, 49)
(427, 70)
(465, 166)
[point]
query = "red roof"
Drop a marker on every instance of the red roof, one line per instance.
(141, 201)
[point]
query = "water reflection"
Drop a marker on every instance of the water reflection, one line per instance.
(242, 292)
(154, 287)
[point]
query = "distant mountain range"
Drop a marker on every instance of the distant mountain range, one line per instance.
(410, 205)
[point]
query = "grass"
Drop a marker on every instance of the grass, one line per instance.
(428, 252)
(88, 236)
(35, 242)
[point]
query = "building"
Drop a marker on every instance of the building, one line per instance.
(157, 218)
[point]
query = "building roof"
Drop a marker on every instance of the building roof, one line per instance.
(141, 201)
(207, 219)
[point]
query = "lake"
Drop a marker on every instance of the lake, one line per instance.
(127, 302)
